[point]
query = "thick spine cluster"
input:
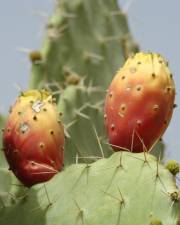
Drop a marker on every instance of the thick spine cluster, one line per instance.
(33, 138)
(139, 103)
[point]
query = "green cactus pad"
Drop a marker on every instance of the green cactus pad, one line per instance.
(83, 119)
(86, 38)
(124, 189)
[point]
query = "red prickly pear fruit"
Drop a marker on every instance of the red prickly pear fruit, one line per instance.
(33, 138)
(139, 103)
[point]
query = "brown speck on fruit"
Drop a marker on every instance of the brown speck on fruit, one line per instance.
(60, 113)
(19, 113)
(32, 163)
(105, 116)
(153, 75)
(175, 105)
(51, 132)
(123, 77)
(8, 129)
(165, 122)
(171, 76)
(31, 102)
(138, 62)
(112, 126)
(44, 109)
(2, 129)
(110, 94)
(123, 107)
(138, 87)
(34, 117)
(160, 61)
(155, 107)
(41, 145)
(168, 89)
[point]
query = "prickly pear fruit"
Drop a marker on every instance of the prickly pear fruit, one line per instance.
(33, 138)
(139, 103)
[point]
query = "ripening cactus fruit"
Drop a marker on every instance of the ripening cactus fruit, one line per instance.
(139, 103)
(33, 138)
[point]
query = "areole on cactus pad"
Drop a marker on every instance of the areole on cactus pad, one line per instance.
(33, 138)
(139, 103)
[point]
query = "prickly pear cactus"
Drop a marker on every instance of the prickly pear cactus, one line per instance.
(139, 103)
(86, 42)
(33, 138)
(123, 189)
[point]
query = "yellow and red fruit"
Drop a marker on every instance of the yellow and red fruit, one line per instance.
(33, 138)
(139, 103)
